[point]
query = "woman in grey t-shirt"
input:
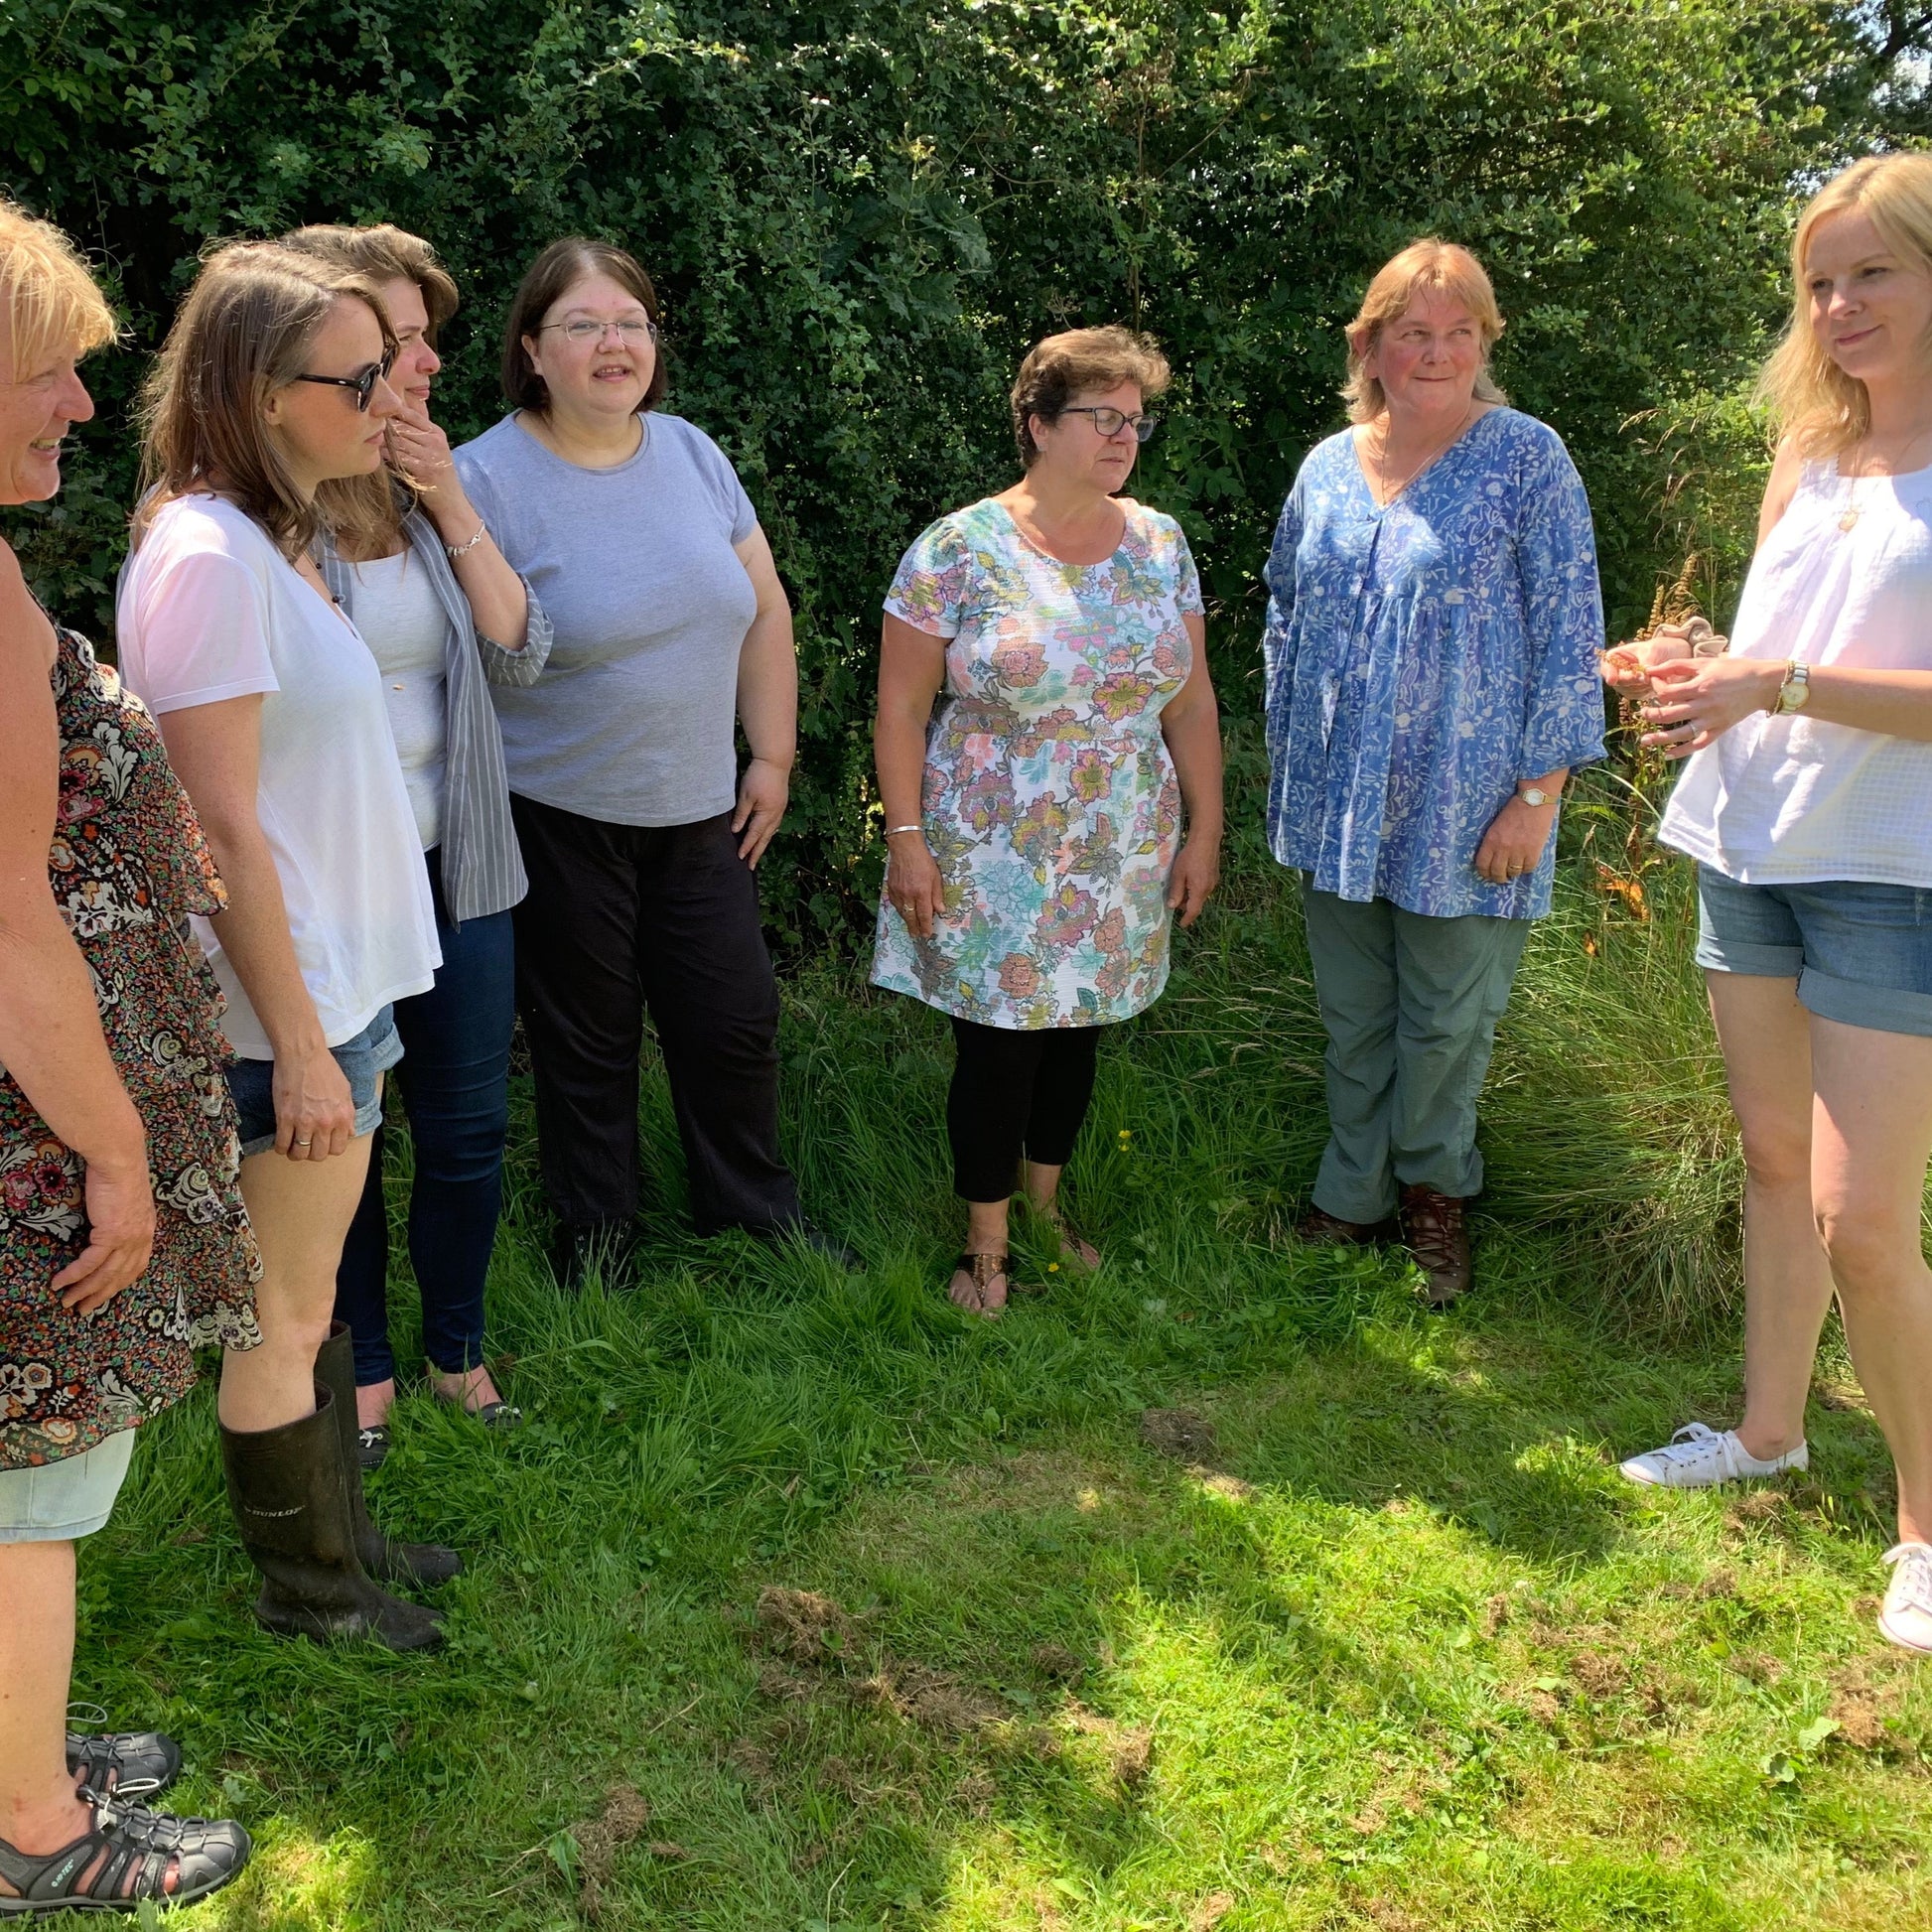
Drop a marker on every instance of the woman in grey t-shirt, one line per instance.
(639, 834)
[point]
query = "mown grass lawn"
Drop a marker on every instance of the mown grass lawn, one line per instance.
(1226, 1589)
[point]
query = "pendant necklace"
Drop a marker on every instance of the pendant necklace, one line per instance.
(1853, 509)
(1435, 456)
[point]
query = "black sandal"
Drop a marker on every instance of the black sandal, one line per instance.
(123, 1859)
(985, 1268)
(123, 1763)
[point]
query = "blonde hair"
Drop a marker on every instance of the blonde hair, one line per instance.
(47, 296)
(1058, 369)
(1824, 409)
(365, 513)
(244, 332)
(1427, 263)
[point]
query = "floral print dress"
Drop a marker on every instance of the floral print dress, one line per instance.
(1049, 801)
(128, 864)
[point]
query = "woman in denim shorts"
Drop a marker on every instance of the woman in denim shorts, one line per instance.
(272, 385)
(1807, 803)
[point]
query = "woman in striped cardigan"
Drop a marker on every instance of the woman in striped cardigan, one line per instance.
(443, 614)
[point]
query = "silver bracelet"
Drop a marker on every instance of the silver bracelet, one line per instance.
(893, 831)
(458, 550)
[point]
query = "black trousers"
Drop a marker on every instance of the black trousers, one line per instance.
(624, 918)
(1015, 1093)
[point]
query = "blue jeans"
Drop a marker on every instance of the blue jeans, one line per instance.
(455, 1086)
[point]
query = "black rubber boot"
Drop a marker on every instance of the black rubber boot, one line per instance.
(382, 1557)
(290, 1496)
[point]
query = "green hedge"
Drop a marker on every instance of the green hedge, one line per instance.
(861, 211)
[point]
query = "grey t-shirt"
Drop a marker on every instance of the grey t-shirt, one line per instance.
(631, 720)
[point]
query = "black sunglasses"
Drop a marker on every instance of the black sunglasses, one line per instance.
(363, 384)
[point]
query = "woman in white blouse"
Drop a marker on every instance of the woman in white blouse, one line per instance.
(423, 581)
(1807, 805)
(272, 383)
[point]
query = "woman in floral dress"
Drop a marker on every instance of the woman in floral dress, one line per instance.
(1035, 822)
(123, 1244)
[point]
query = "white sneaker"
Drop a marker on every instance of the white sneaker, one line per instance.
(1907, 1617)
(1696, 1456)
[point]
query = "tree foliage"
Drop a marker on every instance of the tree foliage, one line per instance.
(862, 212)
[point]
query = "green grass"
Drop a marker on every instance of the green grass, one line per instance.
(893, 1619)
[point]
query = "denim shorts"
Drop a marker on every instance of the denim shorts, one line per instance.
(57, 1502)
(1861, 953)
(364, 1059)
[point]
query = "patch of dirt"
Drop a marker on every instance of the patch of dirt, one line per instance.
(930, 1698)
(1846, 1397)
(1184, 1434)
(755, 1764)
(1599, 1676)
(1720, 1582)
(599, 1841)
(803, 1625)
(1057, 1662)
(1865, 1696)
(1130, 1748)
(1212, 1480)
(1387, 1916)
(1495, 1613)
(1756, 1666)
(784, 1686)
(1210, 1912)
(1756, 1506)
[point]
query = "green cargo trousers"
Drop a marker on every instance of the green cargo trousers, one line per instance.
(1409, 1004)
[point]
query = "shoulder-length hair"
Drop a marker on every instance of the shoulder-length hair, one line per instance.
(244, 330)
(47, 294)
(367, 513)
(1060, 367)
(1824, 409)
(548, 277)
(1427, 263)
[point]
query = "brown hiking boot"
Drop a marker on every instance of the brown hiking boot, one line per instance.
(1432, 1225)
(1318, 1228)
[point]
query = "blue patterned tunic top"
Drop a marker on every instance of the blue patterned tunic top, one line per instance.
(1425, 657)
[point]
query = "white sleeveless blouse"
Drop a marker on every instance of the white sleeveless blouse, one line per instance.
(1781, 801)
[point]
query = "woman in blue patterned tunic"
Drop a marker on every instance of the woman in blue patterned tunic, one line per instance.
(1432, 630)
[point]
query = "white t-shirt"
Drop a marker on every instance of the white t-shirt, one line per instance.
(402, 623)
(210, 609)
(1791, 800)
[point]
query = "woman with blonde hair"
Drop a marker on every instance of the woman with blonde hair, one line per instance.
(1806, 804)
(1034, 821)
(1433, 631)
(274, 382)
(123, 1244)
(422, 580)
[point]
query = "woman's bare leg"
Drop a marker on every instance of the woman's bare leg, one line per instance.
(1767, 1045)
(38, 1811)
(986, 1234)
(1872, 1139)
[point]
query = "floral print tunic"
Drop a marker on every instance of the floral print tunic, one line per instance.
(1049, 801)
(1424, 657)
(127, 866)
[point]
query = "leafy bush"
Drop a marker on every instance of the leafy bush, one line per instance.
(861, 212)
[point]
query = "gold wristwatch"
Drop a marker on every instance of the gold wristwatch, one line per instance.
(1795, 691)
(1536, 795)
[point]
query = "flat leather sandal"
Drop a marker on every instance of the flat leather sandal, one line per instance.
(984, 1269)
(123, 1763)
(123, 1859)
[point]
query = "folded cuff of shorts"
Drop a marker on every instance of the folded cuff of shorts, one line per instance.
(57, 1532)
(387, 1050)
(1858, 1003)
(1752, 957)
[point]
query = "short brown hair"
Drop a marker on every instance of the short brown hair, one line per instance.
(384, 254)
(1425, 264)
(49, 297)
(1059, 369)
(243, 331)
(553, 271)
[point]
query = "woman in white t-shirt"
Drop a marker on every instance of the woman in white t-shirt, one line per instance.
(1808, 806)
(272, 383)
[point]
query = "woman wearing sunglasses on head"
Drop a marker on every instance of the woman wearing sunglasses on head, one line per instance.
(273, 384)
(423, 582)
(1034, 822)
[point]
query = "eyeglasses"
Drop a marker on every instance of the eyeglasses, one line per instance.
(363, 384)
(582, 330)
(1110, 422)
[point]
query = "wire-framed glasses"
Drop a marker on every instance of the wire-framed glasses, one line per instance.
(363, 384)
(633, 331)
(1110, 422)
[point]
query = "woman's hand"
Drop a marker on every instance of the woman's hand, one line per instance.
(422, 453)
(315, 1112)
(1515, 840)
(1627, 668)
(1196, 871)
(120, 1236)
(914, 884)
(762, 794)
(1694, 704)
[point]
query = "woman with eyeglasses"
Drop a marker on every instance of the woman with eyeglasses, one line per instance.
(272, 385)
(670, 628)
(423, 582)
(1035, 822)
